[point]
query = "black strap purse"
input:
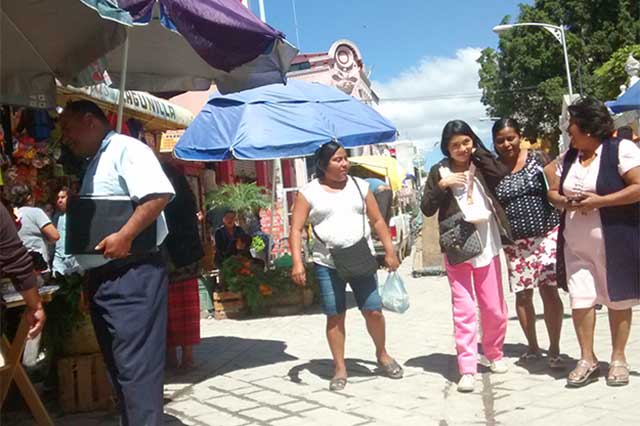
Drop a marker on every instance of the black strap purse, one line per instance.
(459, 239)
(356, 260)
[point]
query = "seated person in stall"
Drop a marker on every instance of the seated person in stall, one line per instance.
(225, 238)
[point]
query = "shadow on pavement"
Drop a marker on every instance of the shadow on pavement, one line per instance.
(444, 364)
(540, 317)
(538, 366)
(323, 368)
(220, 355)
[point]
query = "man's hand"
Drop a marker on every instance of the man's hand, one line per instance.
(35, 318)
(115, 246)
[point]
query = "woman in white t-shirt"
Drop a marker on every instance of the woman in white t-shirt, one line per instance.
(337, 207)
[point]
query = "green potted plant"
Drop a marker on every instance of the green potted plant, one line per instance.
(243, 198)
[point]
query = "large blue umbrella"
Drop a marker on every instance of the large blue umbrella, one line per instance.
(629, 101)
(281, 121)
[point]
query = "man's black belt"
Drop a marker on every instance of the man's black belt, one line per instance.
(127, 262)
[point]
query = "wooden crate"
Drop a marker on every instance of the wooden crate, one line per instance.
(228, 304)
(83, 384)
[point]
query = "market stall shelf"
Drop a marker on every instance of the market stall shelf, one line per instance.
(290, 303)
(83, 384)
(228, 305)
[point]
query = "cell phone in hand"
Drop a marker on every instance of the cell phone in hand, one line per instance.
(576, 199)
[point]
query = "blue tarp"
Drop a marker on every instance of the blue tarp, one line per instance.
(629, 101)
(280, 121)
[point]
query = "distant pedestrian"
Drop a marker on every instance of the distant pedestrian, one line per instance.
(63, 264)
(597, 185)
(340, 209)
(460, 188)
(534, 224)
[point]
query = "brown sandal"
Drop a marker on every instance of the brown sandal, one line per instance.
(618, 379)
(583, 374)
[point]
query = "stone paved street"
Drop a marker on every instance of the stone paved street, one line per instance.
(275, 371)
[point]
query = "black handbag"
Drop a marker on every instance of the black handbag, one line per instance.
(459, 239)
(356, 260)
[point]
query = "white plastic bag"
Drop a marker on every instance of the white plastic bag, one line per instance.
(394, 295)
(31, 351)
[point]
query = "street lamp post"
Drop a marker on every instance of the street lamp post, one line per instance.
(556, 31)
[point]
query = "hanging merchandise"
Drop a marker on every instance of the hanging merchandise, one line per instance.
(113, 120)
(29, 156)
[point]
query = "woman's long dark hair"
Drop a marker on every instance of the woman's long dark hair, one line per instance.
(457, 127)
(323, 156)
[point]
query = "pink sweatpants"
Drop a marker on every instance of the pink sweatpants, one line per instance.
(487, 282)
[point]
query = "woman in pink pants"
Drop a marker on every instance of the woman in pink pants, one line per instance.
(473, 227)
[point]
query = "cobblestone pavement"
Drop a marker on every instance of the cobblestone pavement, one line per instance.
(275, 371)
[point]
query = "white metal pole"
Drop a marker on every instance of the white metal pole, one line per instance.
(274, 201)
(566, 60)
(263, 16)
(123, 80)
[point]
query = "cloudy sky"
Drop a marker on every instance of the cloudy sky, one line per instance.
(426, 49)
(424, 97)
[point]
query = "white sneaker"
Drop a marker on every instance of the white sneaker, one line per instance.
(499, 366)
(467, 383)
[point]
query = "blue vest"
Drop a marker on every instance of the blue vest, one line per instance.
(620, 228)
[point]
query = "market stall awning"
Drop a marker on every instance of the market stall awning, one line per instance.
(382, 165)
(181, 45)
(155, 113)
(173, 45)
(629, 101)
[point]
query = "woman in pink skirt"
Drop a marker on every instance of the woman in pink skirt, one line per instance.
(597, 185)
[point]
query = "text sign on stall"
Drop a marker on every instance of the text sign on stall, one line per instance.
(169, 140)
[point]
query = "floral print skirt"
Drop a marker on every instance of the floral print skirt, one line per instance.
(532, 261)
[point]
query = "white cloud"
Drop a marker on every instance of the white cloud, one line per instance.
(423, 120)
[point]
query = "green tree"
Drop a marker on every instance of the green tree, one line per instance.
(611, 75)
(525, 77)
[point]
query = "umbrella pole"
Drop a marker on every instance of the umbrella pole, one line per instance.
(274, 200)
(123, 81)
